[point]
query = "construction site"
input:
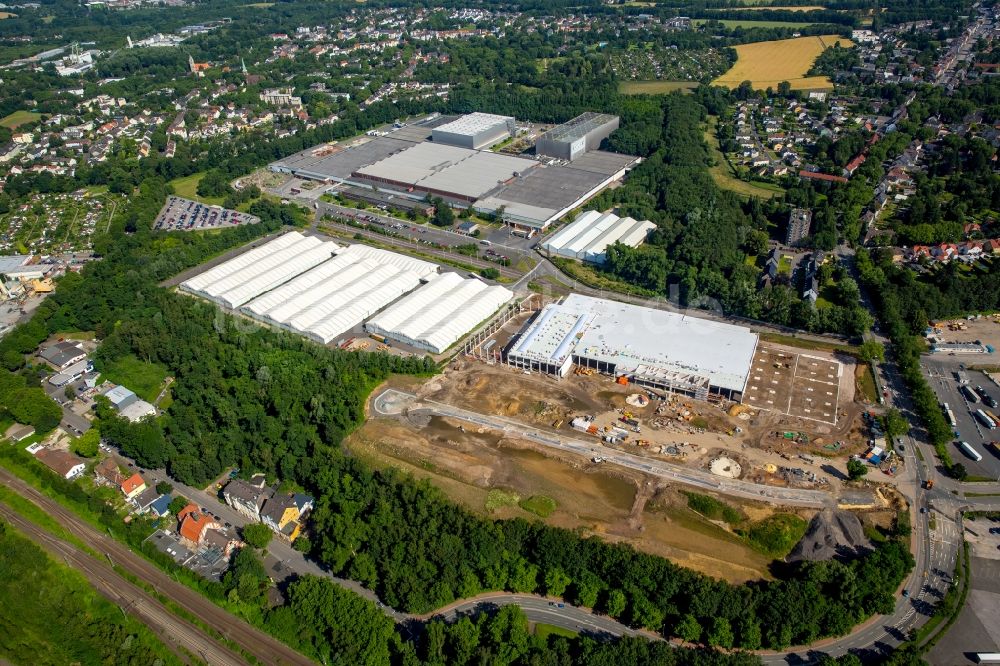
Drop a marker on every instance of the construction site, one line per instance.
(780, 448)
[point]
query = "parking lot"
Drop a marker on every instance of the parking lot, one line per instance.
(940, 373)
(180, 214)
(799, 385)
(976, 629)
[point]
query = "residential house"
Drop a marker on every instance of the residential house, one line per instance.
(221, 540)
(133, 485)
(247, 497)
(161, 506)
(62, 463)
(107, 473)
(281, 514)
(193, 524)
(19, 432)
(145, 499)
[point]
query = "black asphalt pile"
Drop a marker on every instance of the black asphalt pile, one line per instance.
(831, 534)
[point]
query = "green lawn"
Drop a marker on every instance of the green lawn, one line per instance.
(540, 505)
(187, 187)
(145, 379)
(543, 631)
(866, 383)
(654, 87)
(18, 118)
(776, 535)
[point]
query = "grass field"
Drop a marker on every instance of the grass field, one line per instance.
(776, 535)
(144, 379)
(187, 187)
(654, 87)
(766, 64)
(543, 631)
(738, 23)
(18, 118)
(723, 175)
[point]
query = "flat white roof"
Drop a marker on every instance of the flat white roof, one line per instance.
(324, 302)
(636, 338)
(240, 279)
(590, 234)
(472, 124)
(440, 312)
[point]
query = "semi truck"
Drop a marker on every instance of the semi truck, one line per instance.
(950, 416)
(984, 419)
(969, 451)
(969, 394)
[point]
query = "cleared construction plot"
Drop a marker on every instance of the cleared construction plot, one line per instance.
(589, 235)
(252, 273)
(766, 64)
(324, 302)
(440, 312)
(798, 385)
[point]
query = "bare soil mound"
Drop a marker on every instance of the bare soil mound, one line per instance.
(832, 533)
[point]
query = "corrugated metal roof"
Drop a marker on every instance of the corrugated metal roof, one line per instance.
(591, 233)
(438, 314)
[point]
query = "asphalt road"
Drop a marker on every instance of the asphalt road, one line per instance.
(172, 630)
(263, 647)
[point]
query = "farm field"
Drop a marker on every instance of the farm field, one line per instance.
(738, 23)
(766, 64)
(18, 118)
(654, 87)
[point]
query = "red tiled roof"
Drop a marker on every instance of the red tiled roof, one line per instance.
(815, 175)
(132, 483)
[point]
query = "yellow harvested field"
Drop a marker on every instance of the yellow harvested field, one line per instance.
(766, 64)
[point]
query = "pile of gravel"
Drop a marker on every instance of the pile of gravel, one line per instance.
(833, 533)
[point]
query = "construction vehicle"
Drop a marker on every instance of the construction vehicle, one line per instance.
(928, 484)
(377, 338)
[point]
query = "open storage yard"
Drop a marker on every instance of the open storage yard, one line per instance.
(766, 64)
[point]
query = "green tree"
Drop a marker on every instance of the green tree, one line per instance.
(257, 535)
(895, 423)
(615, 603)
(87, 444)
(688, 629)
(871, 350)
(856, 469)
(444, 216)
(721, 634)
(178, 503)
(164, 487)
(556, 582)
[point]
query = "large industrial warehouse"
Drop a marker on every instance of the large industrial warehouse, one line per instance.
(475, 130)
(576, 137)
(461, 174)
(532, 193)
(323, 291)
(589, 235)
(325, 302)
(654, 348)
(440, 312)
(235, 282)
